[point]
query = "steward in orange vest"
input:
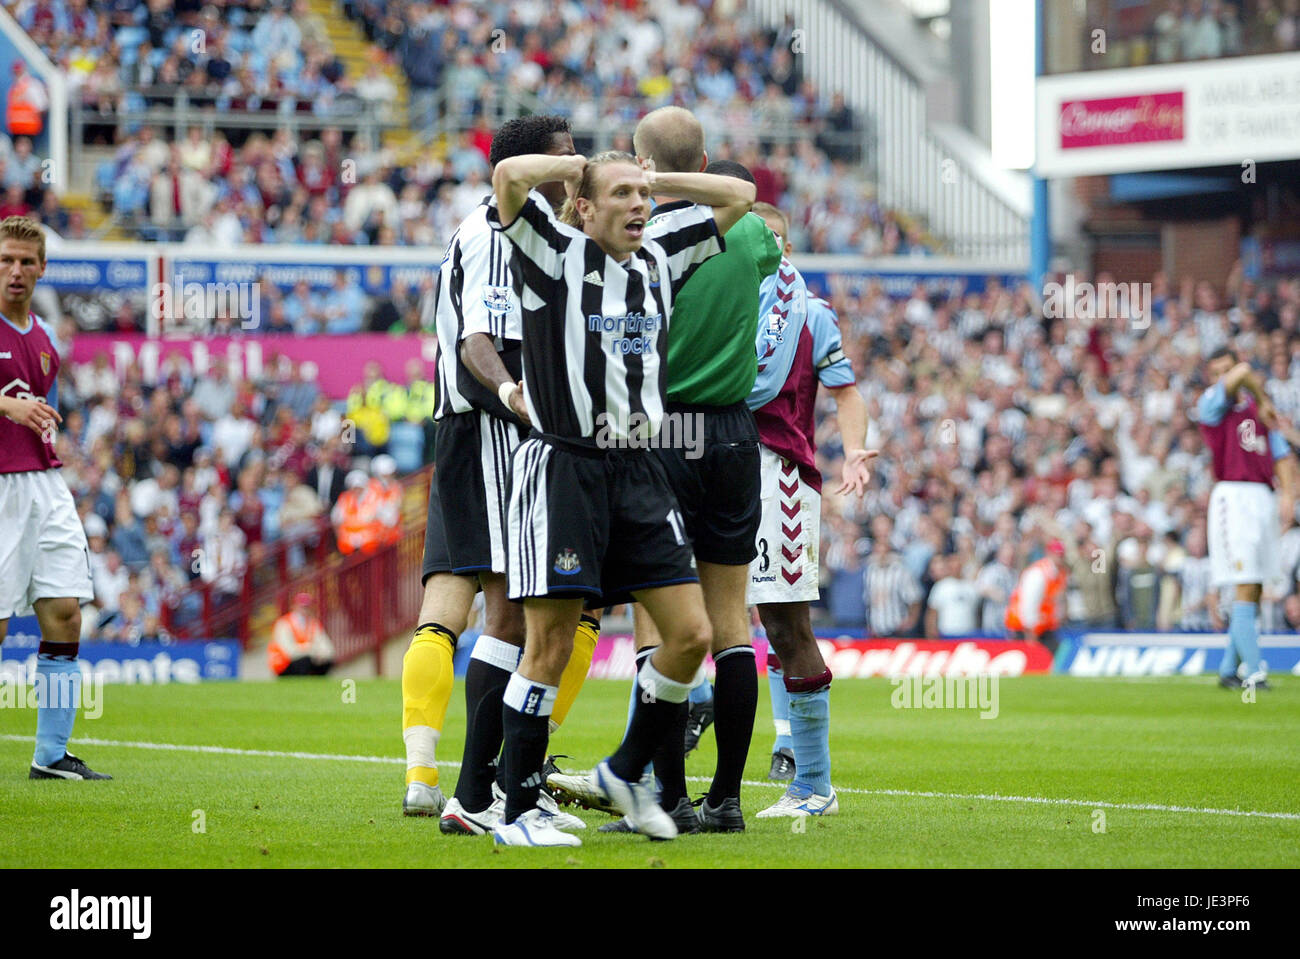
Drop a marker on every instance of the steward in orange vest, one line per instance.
(355, 514)
(387, 499)
(26, 103)
(299, 644)
(1034, 610)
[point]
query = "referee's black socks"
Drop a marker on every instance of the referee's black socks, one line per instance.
(735, 700)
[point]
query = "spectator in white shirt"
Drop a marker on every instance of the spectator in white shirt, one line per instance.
(953, 603)
(224, 558)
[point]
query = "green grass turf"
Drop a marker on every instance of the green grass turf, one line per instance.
(1172, 742)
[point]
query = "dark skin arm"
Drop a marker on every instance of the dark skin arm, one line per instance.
(481, 358)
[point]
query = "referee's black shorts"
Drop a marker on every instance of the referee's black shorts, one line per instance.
(473, 478)
(719, 492)
(592, 523)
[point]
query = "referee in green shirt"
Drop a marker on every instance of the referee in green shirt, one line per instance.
(712, 366)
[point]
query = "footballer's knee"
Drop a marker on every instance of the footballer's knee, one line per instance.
(499, 618)
(693, 637)
(60, 619)
(447, 600)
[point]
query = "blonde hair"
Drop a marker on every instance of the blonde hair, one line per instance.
(766, 210)
(587, 185)
(27, 230)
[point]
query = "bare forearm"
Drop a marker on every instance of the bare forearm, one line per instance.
(1242, 377)
(482, 359)
(1288, 471)
(730, 197)
(515, 176)
(851, 411)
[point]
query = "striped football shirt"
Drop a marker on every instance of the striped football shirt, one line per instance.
(889, 589)
(595, 330)
(474, 293)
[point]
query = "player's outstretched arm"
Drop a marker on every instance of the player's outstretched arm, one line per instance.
(515, 176)
(851, 412)
(730, 197)
(1288, 472)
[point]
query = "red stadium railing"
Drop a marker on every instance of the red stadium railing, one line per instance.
(363, 600)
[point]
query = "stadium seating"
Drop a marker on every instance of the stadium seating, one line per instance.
(997, 428)
(166, 472)
(137, 75)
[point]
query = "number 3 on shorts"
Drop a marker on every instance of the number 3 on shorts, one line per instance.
(679, 527)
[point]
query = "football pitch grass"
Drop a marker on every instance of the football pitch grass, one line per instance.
(1071, 772)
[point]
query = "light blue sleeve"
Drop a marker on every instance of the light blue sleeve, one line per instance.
(1276, 442)
(1212, 407)
(833, 367)
(777, 339)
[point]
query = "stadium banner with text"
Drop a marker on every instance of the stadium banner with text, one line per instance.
(1165, 654)
(129, 273)
(1168, 117)
(339, 360)
(897, 277)
(192, 661)
(137, 268)
(850, 657)
(373, 278)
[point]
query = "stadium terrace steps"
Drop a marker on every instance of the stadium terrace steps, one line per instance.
(95, 215)
(352, 47)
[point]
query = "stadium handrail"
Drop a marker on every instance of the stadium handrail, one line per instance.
(917, 172)
(506, 104)
(184, 112)
(363, 599)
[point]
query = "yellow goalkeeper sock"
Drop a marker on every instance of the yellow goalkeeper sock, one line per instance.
(427, 677)
(575, 673)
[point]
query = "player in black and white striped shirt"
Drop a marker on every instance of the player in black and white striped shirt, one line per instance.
(477, 319)
(588, 520)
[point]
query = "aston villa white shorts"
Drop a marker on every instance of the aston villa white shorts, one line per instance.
(1243, 534)
(43, 551)
(789, 534)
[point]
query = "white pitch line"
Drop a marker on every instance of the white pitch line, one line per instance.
(231, 751)
(906, 793)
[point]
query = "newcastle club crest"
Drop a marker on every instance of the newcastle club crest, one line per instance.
(566, 563)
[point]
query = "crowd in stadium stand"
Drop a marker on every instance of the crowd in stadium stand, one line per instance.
(1173, 31)
(232, 55)
(193, 477)
(274, 190)
(25, 190)
(577, 59)
(999, 431)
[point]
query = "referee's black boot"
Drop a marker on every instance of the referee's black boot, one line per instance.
(726, 817)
